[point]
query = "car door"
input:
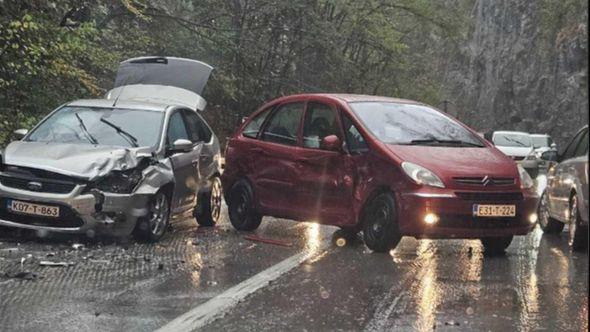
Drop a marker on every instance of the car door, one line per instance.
(274, 161)
(184, 164)
(325, 179)
(559, 187)
(199, 133)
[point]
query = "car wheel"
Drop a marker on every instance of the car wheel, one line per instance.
(496, 245)
(578, 234)
(152, 227)
(548, 224)
(380, 227)
(208, 208)
(242, 214)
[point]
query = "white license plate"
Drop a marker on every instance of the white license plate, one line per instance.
(32, 209)
(485, 210)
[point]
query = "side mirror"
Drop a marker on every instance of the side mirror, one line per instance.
(331, 143)
(182, 145)
(549, 155)
(553, 146)
(20, 133)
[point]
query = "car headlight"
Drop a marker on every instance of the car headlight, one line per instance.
(422, 175)
(526, 181)
(120, 182)
(531, 156)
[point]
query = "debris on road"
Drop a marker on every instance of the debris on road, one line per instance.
(77, 246)
(25, 275)
(452, 323)
(61, 264)
(269, 241)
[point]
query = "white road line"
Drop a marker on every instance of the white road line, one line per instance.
(217, 306)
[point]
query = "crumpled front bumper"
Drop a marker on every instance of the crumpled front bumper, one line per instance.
(81, 212)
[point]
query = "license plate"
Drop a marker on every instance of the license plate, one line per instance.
(32, 209)
(483, 210)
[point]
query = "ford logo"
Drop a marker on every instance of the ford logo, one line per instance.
(34, 186)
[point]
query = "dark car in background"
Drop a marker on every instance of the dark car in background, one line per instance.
(387, 167)
(565, 199)
(126, 163)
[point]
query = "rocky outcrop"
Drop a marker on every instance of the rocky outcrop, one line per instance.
(519, 71)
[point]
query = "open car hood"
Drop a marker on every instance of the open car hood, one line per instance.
(165, 80)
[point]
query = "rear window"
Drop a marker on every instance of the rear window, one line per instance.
(397, 123)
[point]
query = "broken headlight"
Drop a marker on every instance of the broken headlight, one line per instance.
(120, 182)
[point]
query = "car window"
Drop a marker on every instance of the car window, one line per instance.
(354, 139)
(320, 121)
(283, 125)
(198, 130)
(399, 123)
(253, 127)
(512, 139)
(582, 147)
(176, 128)
(571, 147)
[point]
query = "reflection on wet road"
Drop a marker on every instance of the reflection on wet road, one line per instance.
(422, 285)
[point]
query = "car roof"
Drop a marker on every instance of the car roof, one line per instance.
(105, 103)
(540, 135)
(348, 98)
(508, 132)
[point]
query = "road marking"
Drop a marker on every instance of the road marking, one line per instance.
(387, 305)
(217, 306)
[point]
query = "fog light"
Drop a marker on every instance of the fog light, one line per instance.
(533, 218)
(431, 219)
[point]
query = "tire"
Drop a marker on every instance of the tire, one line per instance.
(242, 213)
(578, 234)
(548, 224)
(208, 208)
(380, 227)
(152, 227)
(496, 245)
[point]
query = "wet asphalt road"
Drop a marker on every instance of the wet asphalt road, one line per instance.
(422, 285)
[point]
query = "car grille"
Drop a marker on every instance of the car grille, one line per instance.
(67, 217)
(490, 196)
(47, 182)
(484, 181)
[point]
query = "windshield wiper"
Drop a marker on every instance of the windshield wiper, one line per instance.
(86, 132)
(514, 141)
(443, 141)
(130, 138)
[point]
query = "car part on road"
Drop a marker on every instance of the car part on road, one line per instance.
(578, 233)
(152, 227)
(380, 227)
(496, 245)
(242, 214)
(208, 208)
(269, 241)
(548, 224)
(345, 236)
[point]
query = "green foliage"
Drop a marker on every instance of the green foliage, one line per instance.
(260, 49)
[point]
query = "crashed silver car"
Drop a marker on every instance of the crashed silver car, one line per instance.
(124, 164)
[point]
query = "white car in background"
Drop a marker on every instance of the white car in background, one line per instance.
(518, 146)
(541, 144)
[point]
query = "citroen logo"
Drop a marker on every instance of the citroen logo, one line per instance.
(34, 186)
(486, 181)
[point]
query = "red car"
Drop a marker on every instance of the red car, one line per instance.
(386, 167)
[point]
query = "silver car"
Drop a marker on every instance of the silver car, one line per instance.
(126, 163)
(565, 199)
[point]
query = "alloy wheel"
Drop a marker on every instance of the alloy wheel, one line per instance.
(215, 199)
(573, 220)
(159, 214)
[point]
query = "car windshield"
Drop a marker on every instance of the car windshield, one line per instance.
(512, 139)
(541, 141)
(397, 123)
(101, 126)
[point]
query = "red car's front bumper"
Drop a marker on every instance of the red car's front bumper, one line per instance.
(454, 211)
